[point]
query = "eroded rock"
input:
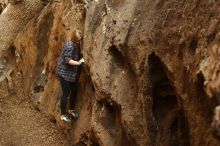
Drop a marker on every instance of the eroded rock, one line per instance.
(151, 75)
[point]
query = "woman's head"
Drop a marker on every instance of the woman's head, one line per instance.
(76, 36)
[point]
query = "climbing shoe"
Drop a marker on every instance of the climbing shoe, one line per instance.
(65, 118)
(74, 114)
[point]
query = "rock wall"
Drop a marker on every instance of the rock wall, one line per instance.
(14, 18)
(151, 72)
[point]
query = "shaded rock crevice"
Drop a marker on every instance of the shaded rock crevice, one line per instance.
(170, 123)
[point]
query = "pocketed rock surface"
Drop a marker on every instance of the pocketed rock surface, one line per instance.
(151, 72)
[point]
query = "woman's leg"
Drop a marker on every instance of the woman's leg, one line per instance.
(73, 94)
(65, 93)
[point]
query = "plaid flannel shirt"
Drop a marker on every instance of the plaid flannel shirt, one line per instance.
(64, 69)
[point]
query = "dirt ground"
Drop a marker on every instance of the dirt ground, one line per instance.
(21, 124)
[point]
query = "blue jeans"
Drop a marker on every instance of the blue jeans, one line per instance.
(68, 88)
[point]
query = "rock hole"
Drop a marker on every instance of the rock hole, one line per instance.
(93, 140)
(211, 38)
(165, 105)
(193, 46)
(52, 119)
(200, 80)
(13, 2)
(114, 21)
(94, 144)
(56, 38)
(174, 138)
(38, 88)
(117, 56)
(115, 4)
(110, 118)
(1, 8)
(10, 55)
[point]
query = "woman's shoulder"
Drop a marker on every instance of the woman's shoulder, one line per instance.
(69, 45)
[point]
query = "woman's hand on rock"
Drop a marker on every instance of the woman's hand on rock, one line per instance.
(81, 61)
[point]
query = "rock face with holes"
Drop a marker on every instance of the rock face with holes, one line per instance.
(151, 75)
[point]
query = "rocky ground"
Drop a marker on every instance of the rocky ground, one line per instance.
(21, 124)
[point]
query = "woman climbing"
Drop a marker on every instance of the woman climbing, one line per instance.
(68, 73)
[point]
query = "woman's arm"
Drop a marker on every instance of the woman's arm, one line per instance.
(73, 62)
(68, 55)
